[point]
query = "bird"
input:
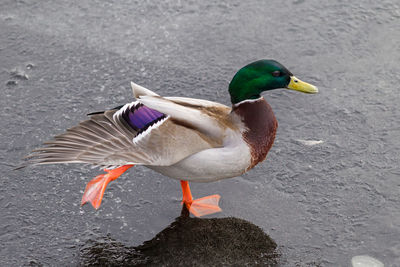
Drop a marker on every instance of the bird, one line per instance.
(187, 139)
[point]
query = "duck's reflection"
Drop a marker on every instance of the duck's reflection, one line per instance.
(189, 242)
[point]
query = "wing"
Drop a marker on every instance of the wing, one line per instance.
(133, 134)
(153, 131)
(206, 118)
(210, 118)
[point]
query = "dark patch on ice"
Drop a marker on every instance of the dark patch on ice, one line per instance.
(11, 83)
(189, 242)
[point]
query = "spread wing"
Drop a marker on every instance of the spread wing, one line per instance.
(159, 133)
(205, 116)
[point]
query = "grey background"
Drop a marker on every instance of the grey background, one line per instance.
(322, 204)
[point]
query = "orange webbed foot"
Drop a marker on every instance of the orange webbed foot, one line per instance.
(201, 206)
(205, 206)
(94, 190)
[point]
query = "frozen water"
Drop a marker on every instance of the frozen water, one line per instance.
(322, 204)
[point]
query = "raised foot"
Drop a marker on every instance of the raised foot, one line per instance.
(204, 206)
(94, 190)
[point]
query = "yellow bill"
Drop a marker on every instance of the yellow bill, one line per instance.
(299, 85)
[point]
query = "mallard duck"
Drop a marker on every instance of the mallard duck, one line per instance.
(191, 140)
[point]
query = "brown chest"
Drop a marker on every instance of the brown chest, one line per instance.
(261, 126)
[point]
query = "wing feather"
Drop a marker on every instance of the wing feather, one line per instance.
(108, 140)
(209, 120)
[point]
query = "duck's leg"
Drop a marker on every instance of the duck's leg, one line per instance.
(201, 206)
(95, 188)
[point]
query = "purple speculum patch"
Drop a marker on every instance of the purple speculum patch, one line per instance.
(140, 117)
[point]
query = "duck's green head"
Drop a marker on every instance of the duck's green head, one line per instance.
(263, 75)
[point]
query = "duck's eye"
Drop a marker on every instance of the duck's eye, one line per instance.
(276, 73)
